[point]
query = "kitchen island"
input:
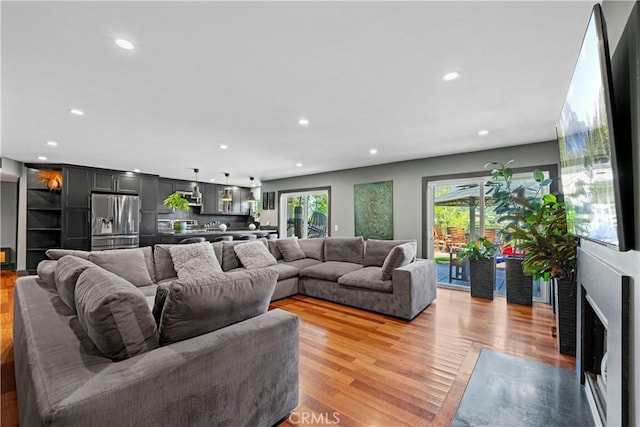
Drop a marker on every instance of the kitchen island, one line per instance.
(209, 235)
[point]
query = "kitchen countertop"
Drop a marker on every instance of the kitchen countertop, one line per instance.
(196, 233)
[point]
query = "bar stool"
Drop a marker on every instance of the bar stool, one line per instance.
(245, 237)
(222, 239)
(192, 240)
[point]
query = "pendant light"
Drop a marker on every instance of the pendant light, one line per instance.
(196, 189)
(251, 198)
(227, 194)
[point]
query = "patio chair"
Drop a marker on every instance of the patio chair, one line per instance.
(317, 226)
(457, 236)
(441, 241)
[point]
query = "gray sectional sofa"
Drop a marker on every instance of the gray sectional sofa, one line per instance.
(203, 352)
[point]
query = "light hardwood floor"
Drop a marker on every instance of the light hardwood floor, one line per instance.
(361, 368)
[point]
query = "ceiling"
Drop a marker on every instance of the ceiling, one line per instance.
(202, 74)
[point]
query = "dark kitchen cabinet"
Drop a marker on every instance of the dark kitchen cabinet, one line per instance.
(209, 199)
(183, 186)
(115, 182)
(148, 193)
(76, 192)
(240, 201)
(165, 189)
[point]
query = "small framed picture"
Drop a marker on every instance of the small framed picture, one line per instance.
(265, 201)
(272, 200)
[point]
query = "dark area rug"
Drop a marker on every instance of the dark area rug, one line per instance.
(511, 391)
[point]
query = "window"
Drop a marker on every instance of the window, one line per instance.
(305, 213)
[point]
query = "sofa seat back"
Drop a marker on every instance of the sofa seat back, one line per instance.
(330, 270)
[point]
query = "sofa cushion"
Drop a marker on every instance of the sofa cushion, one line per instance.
(400, 255)
(301, 263)
(312, 248)
(47, 271)
(344, 249)
(229, 258)
(194, 260)
(217, 249)
(114, 314)
(163, 263)
(273, 248)
(330, 270)
(66, 275)
(254, 255)
(59, 253)
(290, 249)
(285, 271)
(130, 264)
(376, 251)
(367, 278)
(212, 303)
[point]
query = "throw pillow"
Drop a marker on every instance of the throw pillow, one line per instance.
(194, 261)
(114, 314)
(273, 248)
(254, 255)
(67, 272)
(291, 250)
(399, 256)
(59, 253)
(163, 264)
(376, 251)
(47, 272)
(211, 303)
(130, 264)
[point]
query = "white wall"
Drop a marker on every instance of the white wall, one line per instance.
(407, 184)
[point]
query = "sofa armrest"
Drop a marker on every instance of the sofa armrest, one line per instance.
(414, 286)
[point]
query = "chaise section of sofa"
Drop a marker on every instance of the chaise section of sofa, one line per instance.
(245, 374)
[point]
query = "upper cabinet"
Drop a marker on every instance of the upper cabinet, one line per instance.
(209, 199)
(115, 182)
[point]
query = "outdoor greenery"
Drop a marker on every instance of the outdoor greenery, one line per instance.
(536, 224)
(478, 249)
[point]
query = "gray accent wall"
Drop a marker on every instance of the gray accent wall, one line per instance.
(9, 214)
(407, 184)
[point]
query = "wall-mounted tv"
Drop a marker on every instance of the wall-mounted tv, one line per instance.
(595, 148)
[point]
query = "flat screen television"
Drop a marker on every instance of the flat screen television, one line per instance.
(596, 174)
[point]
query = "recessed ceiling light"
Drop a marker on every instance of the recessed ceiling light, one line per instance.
(76, 112)
(136, 170)
(212, 180)
(52, 143)
(223, 146)
(125, 44)
(451, 76)
(373, 151)
(299, 165)
(42, 158)
(303, 121)
(483, 132)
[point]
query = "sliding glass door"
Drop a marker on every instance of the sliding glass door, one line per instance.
(304, 213)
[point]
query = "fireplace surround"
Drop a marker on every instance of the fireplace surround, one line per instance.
(603, 339)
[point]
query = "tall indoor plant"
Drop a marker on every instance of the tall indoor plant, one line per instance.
(178, 203)
(482, 266)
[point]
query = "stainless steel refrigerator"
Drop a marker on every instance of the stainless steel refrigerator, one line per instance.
(115, 221)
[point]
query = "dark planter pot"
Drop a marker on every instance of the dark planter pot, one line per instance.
(483, 277)
(566, 291)
(519, 286)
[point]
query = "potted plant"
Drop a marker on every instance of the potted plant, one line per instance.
(482, 266)
(176, 202)
(513, 206)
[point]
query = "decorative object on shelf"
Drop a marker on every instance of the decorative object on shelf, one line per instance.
(252, 226)
(178, 203)
(373, 208)
(52, 178)
(482, 265)
(222, 227)
(227, 193)
(197, 195)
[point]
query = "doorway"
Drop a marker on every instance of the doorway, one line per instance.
(305, 213)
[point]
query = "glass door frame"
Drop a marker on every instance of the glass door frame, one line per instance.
(300, 192)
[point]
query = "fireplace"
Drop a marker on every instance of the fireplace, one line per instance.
(603, 344)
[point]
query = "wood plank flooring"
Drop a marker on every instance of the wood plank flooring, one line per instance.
(359, 368)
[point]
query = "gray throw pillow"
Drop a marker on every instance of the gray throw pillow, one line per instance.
(130, 264)
(208, 304)
(399, 256)
(273, 248)
(344, 249)
(254, 255)
(163, 264)
(291, 250)
(229, 258)
(59, 253)
(376, 251)
(66, 275)
(194, 261)
(47, 272)
(114, 314)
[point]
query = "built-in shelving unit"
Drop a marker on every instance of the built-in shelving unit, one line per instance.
(44, 218)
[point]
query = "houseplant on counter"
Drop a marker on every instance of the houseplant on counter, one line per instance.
(482, 265)
(178, 203)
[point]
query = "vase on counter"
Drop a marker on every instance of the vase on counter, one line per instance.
(222, 227)
(179, 225)
(252, 226)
